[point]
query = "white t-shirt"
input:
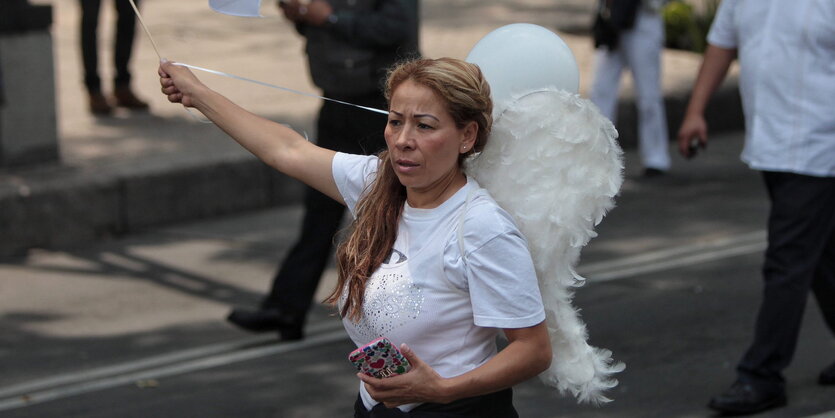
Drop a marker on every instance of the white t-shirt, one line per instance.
(787, 80)
(447, 310)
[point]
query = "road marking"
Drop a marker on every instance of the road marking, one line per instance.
(80, 383)
(828, 414)
(672, 258)
(201, 358)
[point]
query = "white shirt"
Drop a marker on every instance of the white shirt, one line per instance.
(787, 80)
(448, 310)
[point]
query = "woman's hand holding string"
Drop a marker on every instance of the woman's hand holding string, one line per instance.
(179, 84)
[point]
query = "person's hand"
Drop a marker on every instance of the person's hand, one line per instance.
(692, 135)
(293, 10)
(318, 12)
(420, 384)
(178, 83)
(314, 13)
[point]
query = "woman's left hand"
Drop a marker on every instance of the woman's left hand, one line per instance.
(179, 84)
(421, 384)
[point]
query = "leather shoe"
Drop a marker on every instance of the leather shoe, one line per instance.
(99, 105)
(745, 398)
(289, 327)
(827, 376)
(125, 98)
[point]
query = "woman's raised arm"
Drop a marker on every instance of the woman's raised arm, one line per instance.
(276, 145)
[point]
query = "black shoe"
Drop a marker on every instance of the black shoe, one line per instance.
(99, 106)
(289, 327)
(827, 376)
(124, 97)
(745, 398)
(653, 172)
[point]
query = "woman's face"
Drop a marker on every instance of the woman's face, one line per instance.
(422, 139)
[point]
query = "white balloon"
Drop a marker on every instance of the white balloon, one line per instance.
(522, 58)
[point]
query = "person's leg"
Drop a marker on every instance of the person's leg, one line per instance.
(340, 128)
(824, 284)
(823, 288)
(123, 44)
(89, 43)
(343, 129)
(122, 52)
(799, 231)
(606, 84)
(89, 55)
(298, 277)
(285, 308)
(642, 51)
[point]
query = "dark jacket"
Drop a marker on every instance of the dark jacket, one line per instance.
(350, 57)
(612, 18)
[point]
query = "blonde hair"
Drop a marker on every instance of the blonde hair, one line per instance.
(466, 94)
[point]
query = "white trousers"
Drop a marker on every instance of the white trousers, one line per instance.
(640, 51)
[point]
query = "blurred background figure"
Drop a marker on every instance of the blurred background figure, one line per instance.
(629, 34)
(123, 96)
(786, 53)
(350, 46)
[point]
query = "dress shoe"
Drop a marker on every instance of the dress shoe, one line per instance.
(745, 398)
(125, 98)
(289, 327)
(827, 376)
(99, 105)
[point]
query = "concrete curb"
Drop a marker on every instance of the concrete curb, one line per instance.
(58, 207)
(63, 209)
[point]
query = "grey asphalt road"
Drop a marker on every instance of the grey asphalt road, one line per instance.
(134, 327)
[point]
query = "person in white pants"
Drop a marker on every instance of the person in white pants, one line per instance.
(639, 49)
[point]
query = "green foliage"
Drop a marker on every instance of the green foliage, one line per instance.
(684, 27)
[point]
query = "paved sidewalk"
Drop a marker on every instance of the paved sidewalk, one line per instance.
(128, 172)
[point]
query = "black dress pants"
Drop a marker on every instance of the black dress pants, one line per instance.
(123, 45)
(340, 128)
(800, 257)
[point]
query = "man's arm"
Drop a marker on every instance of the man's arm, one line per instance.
(713, 70)
(386, 26)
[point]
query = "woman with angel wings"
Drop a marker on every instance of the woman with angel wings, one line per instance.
(432, 261)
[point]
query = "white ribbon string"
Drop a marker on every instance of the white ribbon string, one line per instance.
(261, 83)
(249, 80)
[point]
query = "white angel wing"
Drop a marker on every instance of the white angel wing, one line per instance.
(552, 162)
(243, 8)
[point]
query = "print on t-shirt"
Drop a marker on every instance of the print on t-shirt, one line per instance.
(395, 257)
(391, 300)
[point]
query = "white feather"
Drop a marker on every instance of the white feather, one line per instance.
(552, 161)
